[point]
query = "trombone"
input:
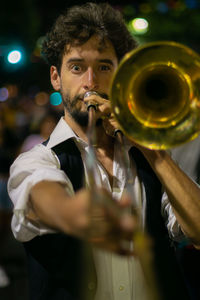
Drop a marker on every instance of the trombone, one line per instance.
(140, 240)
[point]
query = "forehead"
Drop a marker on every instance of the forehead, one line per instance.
(92, 48)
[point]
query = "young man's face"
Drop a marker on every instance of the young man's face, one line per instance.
(84, 68)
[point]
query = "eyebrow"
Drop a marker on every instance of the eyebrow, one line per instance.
(76, 59)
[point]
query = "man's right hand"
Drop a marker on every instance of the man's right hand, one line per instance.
(111, 225)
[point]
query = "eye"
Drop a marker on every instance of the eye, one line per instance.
(76, 68)
(104, 68)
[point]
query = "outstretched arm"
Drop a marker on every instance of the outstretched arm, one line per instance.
(105, 223)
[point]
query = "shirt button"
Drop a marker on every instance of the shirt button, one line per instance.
(91, 286)
(121, 288)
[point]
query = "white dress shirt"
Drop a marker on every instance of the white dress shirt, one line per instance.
(118, 277)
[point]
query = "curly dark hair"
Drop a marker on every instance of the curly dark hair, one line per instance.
(79, 23)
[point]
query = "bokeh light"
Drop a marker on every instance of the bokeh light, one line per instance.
(4, 94)
(55, 98)
(42, 98)
(14, 56)
(139, 25)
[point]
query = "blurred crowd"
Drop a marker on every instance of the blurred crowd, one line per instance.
(24, 122)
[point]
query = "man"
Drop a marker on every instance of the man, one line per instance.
(55, 212)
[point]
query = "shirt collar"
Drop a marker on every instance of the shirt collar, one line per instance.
(61, 133)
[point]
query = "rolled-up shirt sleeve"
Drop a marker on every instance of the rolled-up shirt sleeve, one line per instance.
(28, 169)
(173, 227)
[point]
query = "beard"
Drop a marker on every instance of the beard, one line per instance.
(81, 117)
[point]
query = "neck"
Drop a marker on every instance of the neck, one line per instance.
(104, 144)
(103, 141)
(80, 131)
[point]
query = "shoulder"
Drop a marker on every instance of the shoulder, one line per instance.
(38, 155)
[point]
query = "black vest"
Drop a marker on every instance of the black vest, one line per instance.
(61, 267)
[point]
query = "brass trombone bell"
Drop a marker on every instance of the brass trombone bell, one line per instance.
(155, 95)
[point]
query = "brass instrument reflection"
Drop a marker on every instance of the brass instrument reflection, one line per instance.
(155, 95)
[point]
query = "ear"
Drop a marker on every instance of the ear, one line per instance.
(55, 78)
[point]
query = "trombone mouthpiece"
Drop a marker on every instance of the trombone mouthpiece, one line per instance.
(91, 104)
(89, 93)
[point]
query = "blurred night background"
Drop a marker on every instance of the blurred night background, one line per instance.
(26, 115)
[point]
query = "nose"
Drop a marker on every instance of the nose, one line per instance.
(90, 80)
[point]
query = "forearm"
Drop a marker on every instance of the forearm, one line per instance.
(47, 202)
(77, 216)
(184, 194)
